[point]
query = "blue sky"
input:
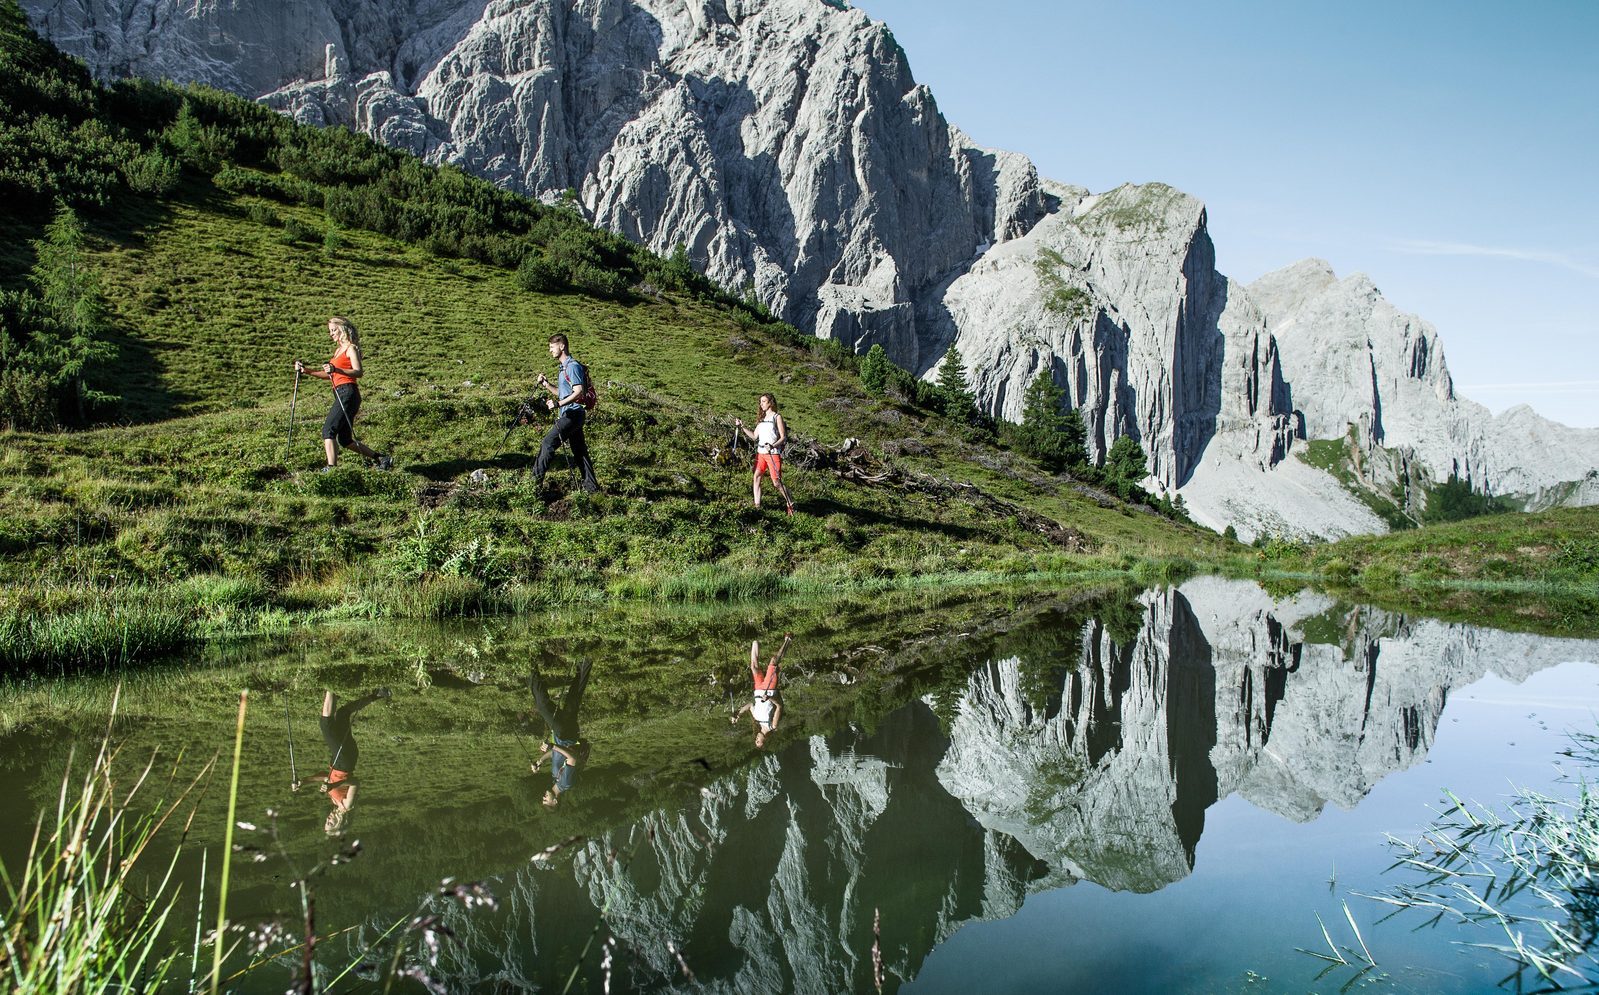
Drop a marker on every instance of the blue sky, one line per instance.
(1448, 150)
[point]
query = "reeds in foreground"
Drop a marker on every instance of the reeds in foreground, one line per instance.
(1530, 874)
(87, 914)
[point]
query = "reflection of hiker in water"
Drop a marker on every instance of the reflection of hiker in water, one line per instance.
(564, 746)
(767, 707)
(339, 783)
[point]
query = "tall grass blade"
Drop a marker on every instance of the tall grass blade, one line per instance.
(227, 846)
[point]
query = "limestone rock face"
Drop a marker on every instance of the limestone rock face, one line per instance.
(1358, 367)
(1117, 297)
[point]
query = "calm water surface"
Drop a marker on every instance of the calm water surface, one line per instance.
(1159, 793)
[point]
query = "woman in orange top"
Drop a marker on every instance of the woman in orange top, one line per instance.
(343, 370)
(339, 736)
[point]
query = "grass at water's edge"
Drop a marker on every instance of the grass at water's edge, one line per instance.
(58, 631)
(1554, 590)
(1535, 572)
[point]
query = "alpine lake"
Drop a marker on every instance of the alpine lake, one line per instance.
(1188, 789)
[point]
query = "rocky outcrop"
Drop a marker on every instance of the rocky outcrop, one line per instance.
(1117, 297)
(1359, 367)
(786, 144)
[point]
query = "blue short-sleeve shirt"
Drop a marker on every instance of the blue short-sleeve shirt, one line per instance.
(573, 376)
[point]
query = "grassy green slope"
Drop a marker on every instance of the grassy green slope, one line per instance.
(191, 518)
(1537, 571)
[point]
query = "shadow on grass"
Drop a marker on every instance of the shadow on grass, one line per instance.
(451, 469)
(822, 507)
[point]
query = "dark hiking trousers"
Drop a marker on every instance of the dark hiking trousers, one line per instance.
(340, 738)
(568, 428)
(562, 721)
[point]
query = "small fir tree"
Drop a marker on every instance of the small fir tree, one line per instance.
(1125, 466)
(959, 402)
(70, 339)
(1051, 435)
(874, 371)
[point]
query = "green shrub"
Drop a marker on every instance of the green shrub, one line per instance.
(1338, 572)
(295, 230)
(261, 214)
(152, 173)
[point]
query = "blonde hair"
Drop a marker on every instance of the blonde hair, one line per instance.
(346, 329)
(336, 821)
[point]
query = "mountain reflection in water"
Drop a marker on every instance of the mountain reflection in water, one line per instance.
(1094, 792)
(1092, 753)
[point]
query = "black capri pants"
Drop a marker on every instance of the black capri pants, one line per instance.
(339, 424)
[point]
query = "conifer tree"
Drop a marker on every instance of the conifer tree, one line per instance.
(959, 403)
(1054, 437)
(70, 339)
(874, 370)
(1125, 466)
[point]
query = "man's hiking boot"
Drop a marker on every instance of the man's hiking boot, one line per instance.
(385, 462)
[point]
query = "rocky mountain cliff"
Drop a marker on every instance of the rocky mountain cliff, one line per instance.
(786, 144)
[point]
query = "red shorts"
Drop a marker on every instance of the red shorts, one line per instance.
(770, 463)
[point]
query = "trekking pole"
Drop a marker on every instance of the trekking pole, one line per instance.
(524, 739)
(294, 772)
(524, 413)
(294, 397)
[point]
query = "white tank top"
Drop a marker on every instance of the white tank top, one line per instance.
(766, 434)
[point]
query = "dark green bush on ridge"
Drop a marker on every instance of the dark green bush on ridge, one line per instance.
(1454, 500)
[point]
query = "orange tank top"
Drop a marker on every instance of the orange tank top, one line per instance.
(338, 784)
(341, 361)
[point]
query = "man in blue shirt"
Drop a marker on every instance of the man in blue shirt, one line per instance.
(566, 399)
(564, 746)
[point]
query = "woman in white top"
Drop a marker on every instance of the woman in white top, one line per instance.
(770, 436)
